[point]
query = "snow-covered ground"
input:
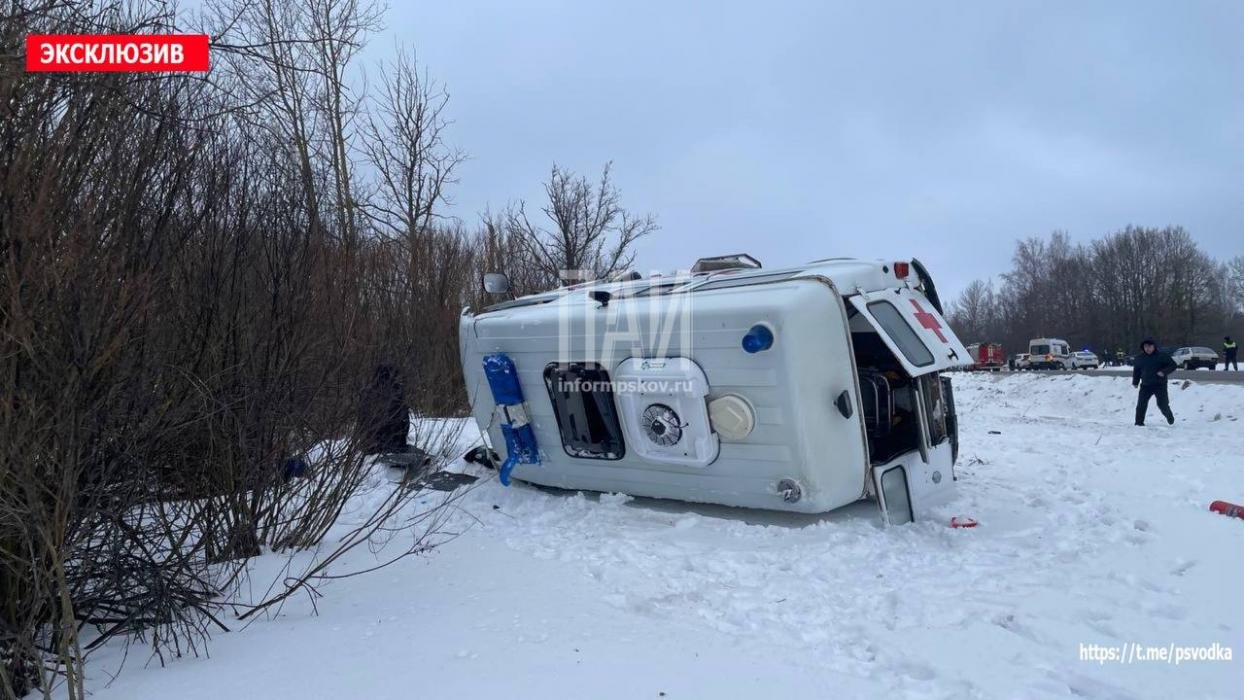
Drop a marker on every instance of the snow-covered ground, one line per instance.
(1092, 531)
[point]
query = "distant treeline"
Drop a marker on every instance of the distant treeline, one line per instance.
(1108, 294)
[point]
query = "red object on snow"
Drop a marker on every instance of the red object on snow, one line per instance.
(1228, 509)
(958, 522)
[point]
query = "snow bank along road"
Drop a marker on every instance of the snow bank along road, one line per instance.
(1198, 375)
(1092, 532)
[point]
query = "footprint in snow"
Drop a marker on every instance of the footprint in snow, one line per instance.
(1155, 587)
(915, 671)
(1103, 629)
(1010, 624)
(1167, 611)
(1183, 566)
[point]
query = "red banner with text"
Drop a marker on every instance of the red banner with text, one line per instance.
(116, 53)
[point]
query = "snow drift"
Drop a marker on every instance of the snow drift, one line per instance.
(1092, 532)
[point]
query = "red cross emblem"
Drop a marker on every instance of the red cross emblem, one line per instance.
(928, 320)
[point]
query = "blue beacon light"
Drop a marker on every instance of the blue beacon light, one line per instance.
(758, 338)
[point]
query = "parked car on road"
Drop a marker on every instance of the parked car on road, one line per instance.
(1019, 361)
(1084, 360)
(1049, 353)
(1195, 358)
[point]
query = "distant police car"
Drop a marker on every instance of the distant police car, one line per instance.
(1084, 360)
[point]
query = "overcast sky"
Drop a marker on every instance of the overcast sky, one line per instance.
(801, 130)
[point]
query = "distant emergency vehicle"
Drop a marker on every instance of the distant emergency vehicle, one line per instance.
(987, 356)
(1049, 353)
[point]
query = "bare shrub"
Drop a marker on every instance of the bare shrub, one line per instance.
(192, 310)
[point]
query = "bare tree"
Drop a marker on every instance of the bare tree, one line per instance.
(974, 314)
(406, 149)
(292, 65)
(1235, 283)
(592, 235)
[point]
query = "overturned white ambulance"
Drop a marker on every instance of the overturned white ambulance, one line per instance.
(801, 389)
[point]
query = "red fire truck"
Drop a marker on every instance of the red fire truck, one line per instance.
(987, 356)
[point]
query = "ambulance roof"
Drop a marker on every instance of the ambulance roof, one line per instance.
(848, 275)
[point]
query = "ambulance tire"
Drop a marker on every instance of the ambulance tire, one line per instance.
(482, 456)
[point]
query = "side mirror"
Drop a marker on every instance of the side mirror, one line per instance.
(496, 283)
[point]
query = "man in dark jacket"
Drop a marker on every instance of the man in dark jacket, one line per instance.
(1229, 351)
(384, 416)
(1149, 372)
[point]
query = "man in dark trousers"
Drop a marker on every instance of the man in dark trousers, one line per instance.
(1229, 351)
(1149, 372)
(384, 416)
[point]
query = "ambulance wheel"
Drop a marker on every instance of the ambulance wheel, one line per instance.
(482, 456)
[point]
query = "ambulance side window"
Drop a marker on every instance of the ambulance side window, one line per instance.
(582, 398)
(894, 325)
(934, 407)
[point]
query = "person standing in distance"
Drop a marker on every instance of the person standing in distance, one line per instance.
(1229, 352)
(1150, 372)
